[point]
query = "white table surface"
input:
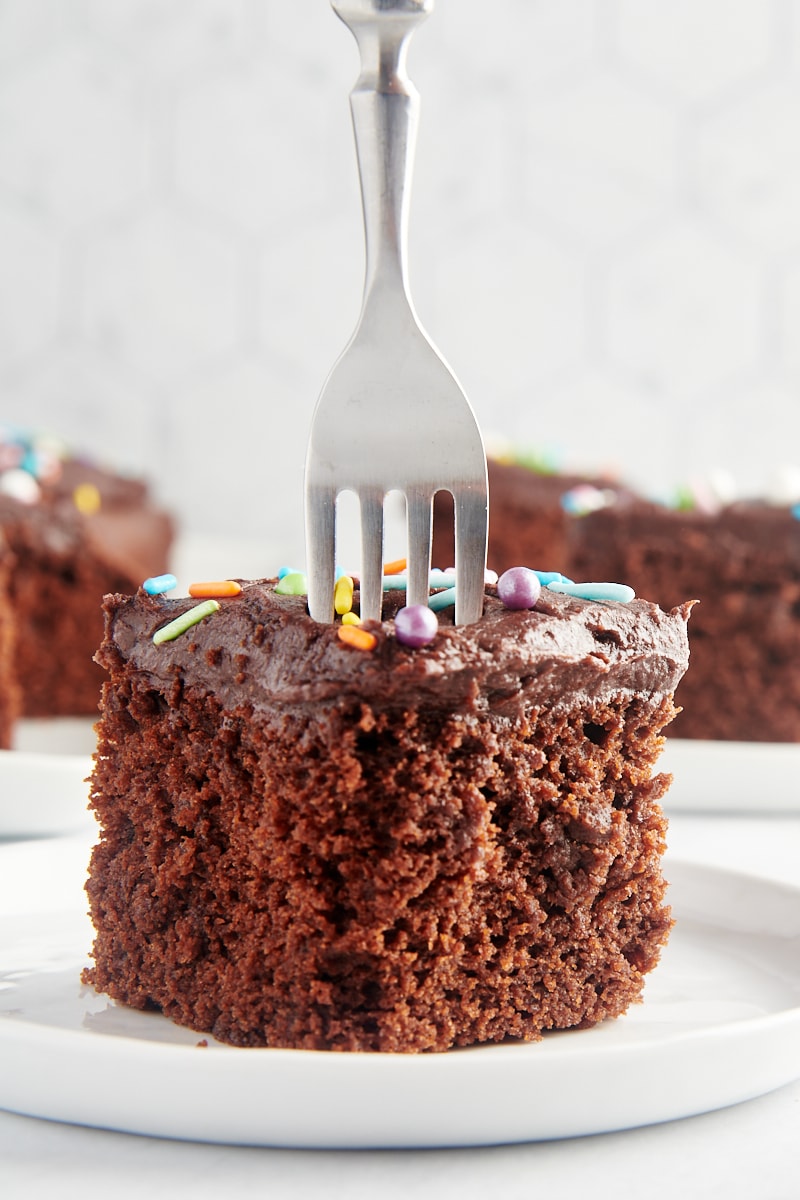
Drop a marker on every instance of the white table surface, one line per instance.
(751, 1150)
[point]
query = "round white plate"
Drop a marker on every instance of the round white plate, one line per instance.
(755, 777)
(43, 788)
(720, 1023)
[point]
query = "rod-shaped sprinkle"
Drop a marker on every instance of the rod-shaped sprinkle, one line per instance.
(156, 585)
(354, 635)
(398, 567)
(595, 591)
(343, 595)
(193, 616)
(212, 588)
(436, 579)
(442, 600)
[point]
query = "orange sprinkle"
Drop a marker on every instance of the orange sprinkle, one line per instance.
(395, 568)
(354, 635)
(220, 587)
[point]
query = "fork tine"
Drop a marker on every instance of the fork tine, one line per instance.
(371, 500)
(321, 551)
(419, 506)
(472, 514)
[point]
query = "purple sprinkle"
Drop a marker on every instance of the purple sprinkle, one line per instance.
(519, 587)
(416, 625)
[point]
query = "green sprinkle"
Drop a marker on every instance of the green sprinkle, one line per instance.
(293, 584)
(193, 616)
(684, 500)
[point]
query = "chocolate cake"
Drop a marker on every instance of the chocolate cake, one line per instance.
(740, 560)
(76, 532)
(368, 845)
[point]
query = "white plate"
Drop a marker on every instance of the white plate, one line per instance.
(43, 788)
(755, 777)
(720, 1023)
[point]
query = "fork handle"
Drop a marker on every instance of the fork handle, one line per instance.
(385, 109)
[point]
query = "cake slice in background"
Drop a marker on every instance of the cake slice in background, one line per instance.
(74, 531)
(740, 560)
(320, 836)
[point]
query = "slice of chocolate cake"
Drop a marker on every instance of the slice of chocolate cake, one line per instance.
(76, 532)
(743, 564)
(740, 560)
(326, 837)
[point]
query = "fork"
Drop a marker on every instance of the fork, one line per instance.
(391, 415)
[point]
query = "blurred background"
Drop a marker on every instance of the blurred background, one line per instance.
(605, 235)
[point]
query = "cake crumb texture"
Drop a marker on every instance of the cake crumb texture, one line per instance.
(355, 876)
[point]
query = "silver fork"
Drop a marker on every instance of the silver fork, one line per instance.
(391, 415)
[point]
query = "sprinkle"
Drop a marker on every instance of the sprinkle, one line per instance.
(286, 571)
(442, 600)
(436, 579)
(351, 618)
(796, 512)
(684, 500)
(548, 577)
(519, 588)
(86, 499)
(360, 639)
(343, 595)
(19, 485)
(595, 591)
(416, 625)
(168, 633)
(293, 584)
(157, 584)
(585, 498)
(395, 568)
(488, 575)
(221, 587)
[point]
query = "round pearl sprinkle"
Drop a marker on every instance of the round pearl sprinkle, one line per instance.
(20, 485)
(415, 625)
(519, 587)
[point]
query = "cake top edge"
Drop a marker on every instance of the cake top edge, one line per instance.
(255, 643)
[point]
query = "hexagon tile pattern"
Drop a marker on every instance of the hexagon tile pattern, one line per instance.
(604, 242)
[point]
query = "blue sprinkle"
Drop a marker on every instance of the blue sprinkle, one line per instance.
(595, 591)
(436, 579)
(442, 600)
(548, 577)
(157, 584)
(287, 571)
(796, 512)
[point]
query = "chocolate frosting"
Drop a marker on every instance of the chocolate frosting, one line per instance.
(262, 649)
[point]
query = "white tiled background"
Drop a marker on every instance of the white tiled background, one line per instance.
(605, 237)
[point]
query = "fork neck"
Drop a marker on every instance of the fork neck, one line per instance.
(385, 110)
